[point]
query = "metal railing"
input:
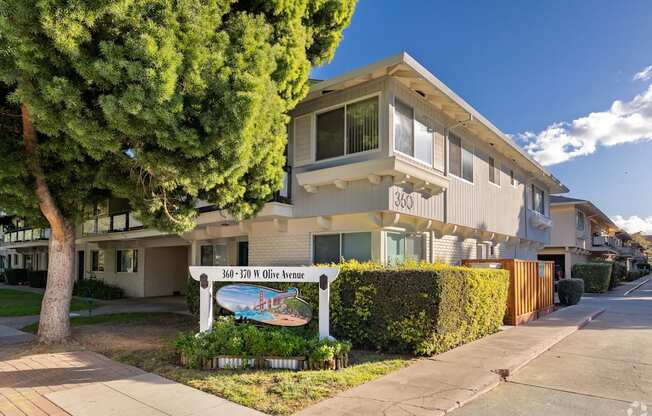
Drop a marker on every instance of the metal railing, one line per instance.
(114, 223)
(25, 235)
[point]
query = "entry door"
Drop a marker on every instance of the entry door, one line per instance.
(243, 253)
(80, 265)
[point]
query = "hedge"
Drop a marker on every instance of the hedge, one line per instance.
(618, 274)
(596, 276)
(570, 291)
(418, 308)
(37, 278)
(97, 289)
(16, 276)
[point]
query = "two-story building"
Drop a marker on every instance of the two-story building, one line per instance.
(581, 231)
(384, 163)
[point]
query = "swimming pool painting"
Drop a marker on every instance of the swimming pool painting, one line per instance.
(266, 305)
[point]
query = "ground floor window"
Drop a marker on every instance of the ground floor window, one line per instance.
(214, 255)
(97, 261)
(402, 247)
(331, 248)
(127, 261)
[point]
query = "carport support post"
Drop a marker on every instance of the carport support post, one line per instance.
(205, 304)
(324, 313)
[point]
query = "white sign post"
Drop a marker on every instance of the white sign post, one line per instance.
(206, 275)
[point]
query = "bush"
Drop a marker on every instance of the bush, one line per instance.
(16, 276)
(596, 276)
(618, 274)
(97, 289)
(421, 308)
(249, 341)
(192, 296)
(634, 274)
(570, 291)
(37, 278)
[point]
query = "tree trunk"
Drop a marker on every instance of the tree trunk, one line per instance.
(54, 323)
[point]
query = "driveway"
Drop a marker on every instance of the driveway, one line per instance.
(603, 369)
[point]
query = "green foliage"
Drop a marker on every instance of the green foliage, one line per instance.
(596, 276)
(97, 289)
(192, 296)
(249, 341)
(634, 274)
(163, 103)
(570, 291)
(618, 274)
(17, 276)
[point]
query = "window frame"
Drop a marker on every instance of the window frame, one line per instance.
(494, 167)
(415, 116)
(470, 149)
(94, 270)
(579, 214)
(405, 235)
(134, 260)
(535, 188)
(212, 246)
(512, 178)
(313, 138)
(340, 234)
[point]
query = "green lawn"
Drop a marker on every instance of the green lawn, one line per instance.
(119, 318)
(21, 303)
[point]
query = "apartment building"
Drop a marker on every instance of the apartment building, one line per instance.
(384, 163)
(581, 231)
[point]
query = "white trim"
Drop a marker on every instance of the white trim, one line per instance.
(344, 104)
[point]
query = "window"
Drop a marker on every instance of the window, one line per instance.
(538, 196)
(126, 261)
(214, 255)
(330, 248)
(402, 247)
(97, 261)
(494, 172)
(347, 130)
(579, 220)
(413, 136)
(512, 178)
(460, 159)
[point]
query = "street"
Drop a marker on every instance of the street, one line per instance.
(603, 369)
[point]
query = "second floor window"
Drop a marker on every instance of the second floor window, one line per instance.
(494, 172)
(460, 159)
(413, 136)
(579, 220)
(347, 130)
(538, 200)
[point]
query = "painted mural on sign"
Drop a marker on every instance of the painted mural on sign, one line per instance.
(266, 305)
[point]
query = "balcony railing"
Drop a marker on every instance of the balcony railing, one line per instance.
(25, 235)
(114, 223)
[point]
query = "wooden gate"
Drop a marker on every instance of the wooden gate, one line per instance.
(531, 291)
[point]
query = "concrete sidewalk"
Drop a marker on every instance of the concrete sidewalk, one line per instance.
(440, 384)
(89, 384)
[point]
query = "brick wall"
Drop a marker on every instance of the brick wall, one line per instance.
(279, 249)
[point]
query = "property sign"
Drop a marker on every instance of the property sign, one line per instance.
(206, 275)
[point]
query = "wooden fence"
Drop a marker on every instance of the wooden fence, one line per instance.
(531, 291)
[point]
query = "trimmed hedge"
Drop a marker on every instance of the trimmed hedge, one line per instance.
(97, 289)
(596, 276)
(37, 278)
(618, 274)
(16, 276)
(418, 308)
(570, 291)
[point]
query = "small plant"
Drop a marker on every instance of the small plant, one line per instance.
(97, 289)
(570, 291)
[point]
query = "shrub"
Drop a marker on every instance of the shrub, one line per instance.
(97, 289)
(37, 278)
(16, 276)
(618, 274)
(634, 274)
(596, 276)
(570, 291)
(192, 296)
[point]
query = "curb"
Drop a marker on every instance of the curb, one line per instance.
(506, 372)
(637, 286)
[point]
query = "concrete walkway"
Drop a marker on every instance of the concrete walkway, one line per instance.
(89, 384)
(603, 370)
(447, 381)
(173, 304)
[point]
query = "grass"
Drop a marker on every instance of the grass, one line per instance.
(276, 392)
(134, 317)
(21, 303)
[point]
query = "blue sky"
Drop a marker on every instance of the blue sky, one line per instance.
(529, 65)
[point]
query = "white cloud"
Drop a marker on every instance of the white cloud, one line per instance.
(624, 122)
(634, 224)
(644, 75)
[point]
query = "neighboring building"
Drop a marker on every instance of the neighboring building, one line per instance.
(385, 163)
(581, 232)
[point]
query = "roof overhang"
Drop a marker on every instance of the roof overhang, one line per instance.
(593, 213)
(411, 73)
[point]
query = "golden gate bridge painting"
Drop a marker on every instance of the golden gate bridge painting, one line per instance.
(265, 305)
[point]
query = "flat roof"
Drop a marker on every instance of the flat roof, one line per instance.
(432, 89)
